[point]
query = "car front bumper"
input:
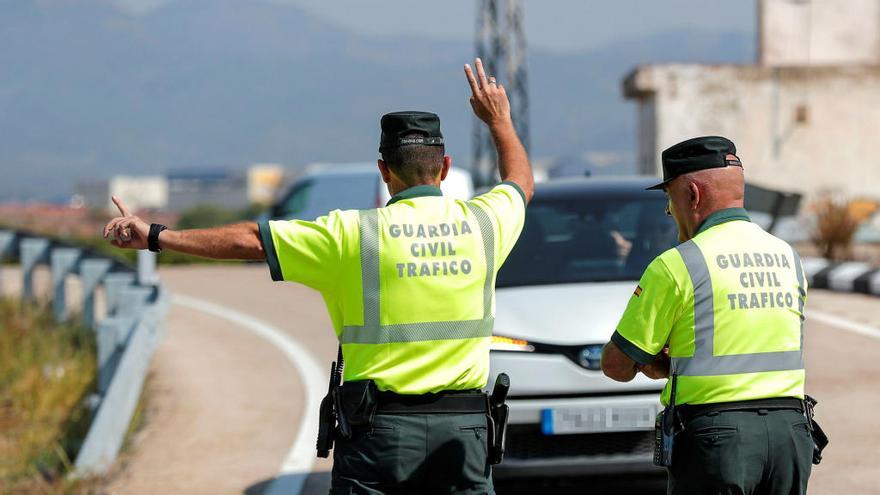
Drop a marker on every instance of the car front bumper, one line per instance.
(530, 453)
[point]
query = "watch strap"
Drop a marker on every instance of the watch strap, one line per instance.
(153, 237)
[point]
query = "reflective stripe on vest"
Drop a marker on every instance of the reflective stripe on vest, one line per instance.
(704, 362)
(373, 332)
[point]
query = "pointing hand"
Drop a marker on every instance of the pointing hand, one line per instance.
(128, 231)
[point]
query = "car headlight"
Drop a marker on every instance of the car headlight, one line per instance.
(501, 343)
(590, 357)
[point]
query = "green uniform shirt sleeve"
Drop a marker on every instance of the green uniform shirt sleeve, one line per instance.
(505, 205)
(650, 315)
(305, 252)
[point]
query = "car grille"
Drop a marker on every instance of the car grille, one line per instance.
(527, 442)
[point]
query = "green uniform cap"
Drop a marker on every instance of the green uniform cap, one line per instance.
(695, 154)
(398, 129)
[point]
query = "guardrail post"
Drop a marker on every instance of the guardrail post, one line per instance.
(7, 243)
(113, 332)
(106, 339)
(33, 250)
(133, 299)
(111, 336)
(113, 285)
(63, 261)
(91, 272)
(104, 439)
(147, 268)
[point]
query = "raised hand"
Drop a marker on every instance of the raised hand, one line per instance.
(128, 231)
(489, 99)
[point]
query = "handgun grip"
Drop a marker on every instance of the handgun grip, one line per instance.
(502, 387)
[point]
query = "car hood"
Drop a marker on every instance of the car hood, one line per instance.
(565, 314)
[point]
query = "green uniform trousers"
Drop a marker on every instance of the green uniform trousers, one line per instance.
(415, 453)
(767, 452)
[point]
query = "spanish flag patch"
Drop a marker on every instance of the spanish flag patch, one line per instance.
(638, 291)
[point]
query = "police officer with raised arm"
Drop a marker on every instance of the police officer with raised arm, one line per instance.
(723, 313)
(410, 290)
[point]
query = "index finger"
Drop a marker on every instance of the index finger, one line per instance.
(119, 204)
(471, 79)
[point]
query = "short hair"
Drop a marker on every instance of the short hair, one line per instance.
(415, 163)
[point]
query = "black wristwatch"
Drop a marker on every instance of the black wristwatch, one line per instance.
(153, 237)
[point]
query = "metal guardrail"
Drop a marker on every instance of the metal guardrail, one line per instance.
(136, 304)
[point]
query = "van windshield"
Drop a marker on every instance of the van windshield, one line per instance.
(592, 239)
(319, 195)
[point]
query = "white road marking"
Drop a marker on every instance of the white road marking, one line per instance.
(843, 323)
(301, 457)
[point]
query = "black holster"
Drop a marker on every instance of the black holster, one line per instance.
(820, 439)
(357, 402)
(498, 414)
(352, 404)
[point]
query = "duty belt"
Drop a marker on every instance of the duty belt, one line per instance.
(444, 402)
(688, 412)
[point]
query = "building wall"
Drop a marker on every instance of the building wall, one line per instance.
(139, 192)
(796, 129)
(819, 32)
(264, 181)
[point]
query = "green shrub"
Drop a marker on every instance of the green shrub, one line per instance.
(203, 216)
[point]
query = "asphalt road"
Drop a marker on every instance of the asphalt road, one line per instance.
(220, 368)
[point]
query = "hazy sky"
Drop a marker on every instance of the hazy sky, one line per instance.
(554, 24)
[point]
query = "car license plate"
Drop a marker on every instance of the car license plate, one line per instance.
(569, 420)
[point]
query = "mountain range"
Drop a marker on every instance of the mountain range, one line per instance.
(88, 90)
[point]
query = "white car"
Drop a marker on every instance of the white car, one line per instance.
(559, 297)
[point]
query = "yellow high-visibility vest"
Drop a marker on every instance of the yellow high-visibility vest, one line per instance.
(730, 305)
(410, 288)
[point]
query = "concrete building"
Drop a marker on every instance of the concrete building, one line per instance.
(818, 32)
(139, 192)
(805, 117)
(181, 189)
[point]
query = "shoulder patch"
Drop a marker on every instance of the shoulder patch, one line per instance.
(638, 291)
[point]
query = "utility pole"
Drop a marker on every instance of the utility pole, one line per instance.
(501, 43)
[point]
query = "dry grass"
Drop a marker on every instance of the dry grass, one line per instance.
(46, 372)
(836, 225)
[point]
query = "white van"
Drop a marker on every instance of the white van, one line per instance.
(353, 186)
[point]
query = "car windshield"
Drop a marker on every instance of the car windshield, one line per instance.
(587, 240)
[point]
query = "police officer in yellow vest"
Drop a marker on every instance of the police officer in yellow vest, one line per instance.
(723, 312)
(410, 291)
